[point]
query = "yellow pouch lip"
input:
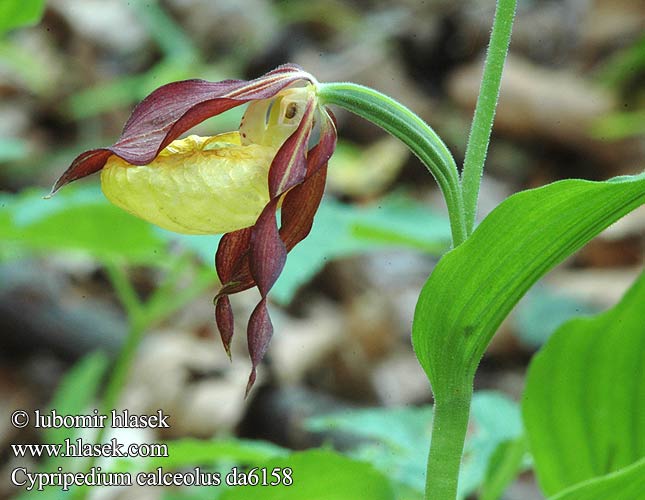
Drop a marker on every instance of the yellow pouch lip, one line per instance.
(196, 185)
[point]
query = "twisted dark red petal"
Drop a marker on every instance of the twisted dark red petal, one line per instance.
(296, 177)
(301, 203)
(299, 207)
(268, 252)
(225, 321)
(259, 335)
(171, 110)
(231, 252)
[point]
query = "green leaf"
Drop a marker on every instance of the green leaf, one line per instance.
(78, 219)
(584, 404)
(397, 439)
(17, 13)
(475, 286)
(625, 484)
(504, 465)
(318, 475)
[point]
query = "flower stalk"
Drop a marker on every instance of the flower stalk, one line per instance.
(415, 133)
(449, 426)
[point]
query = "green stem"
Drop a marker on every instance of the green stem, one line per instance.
(403, 124)
(482, 125)
(449, 426)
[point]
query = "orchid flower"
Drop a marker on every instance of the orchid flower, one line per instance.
(231, 184)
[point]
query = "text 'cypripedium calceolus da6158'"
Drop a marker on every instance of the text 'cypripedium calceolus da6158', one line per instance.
(231, 184)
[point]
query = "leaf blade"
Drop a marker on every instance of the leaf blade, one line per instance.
(588, 421)
(475, 286)
(625, 484)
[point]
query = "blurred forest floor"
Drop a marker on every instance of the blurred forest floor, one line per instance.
(572, 105)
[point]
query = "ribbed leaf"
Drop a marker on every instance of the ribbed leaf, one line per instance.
(625, 484)
(475, 286)
(584, 405)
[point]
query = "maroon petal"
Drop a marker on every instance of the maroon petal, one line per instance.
(268, 252)
(289, 165)
(299, 207)
(231, 251)
(326, 146)
(298, 178)
(301, 203)
(243, 280)
(225, 321)
(259, 333)
(171, 110)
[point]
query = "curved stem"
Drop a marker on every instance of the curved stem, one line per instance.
(449, 426)
(403, 124)
(482, 125)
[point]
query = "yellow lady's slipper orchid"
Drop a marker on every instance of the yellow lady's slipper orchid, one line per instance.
(231, 183)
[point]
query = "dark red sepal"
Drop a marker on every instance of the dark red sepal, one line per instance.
(225, 321)
(259, 333)
(296, 177)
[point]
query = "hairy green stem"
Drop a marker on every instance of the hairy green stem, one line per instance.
(449, 426)
(405, 125)
(452, 404)
(482, 124)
